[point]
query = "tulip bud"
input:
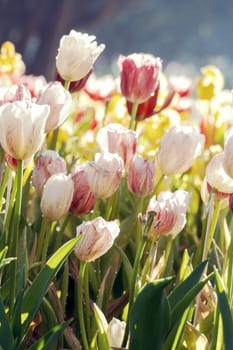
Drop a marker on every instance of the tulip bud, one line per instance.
(47, 164)
(97, 238)
(115, 332)
(104, 174)
(139, 76)
(170, 212)
(56, 197)
(22, 128)
(60, 102)
(76, 55)
(216, 176)
(83, 199)
(141, 176)
(115, 138)
(178, 149)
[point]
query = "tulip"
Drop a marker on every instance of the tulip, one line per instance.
(141, 176)
(228, 154)
(181, 85)
(138, 76)
(115, 332)
(76, 55)
(115, 138)
(231, 203)
(104, 174)
(83, 199)
(100, 89)
(216, 176)
(178, 149)
(97, 238)
(15, 93)
(170, 212)
(60, 102)
(47, 164)
(56, 197)
(22, 128)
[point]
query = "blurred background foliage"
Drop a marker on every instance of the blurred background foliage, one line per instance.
(192, 33)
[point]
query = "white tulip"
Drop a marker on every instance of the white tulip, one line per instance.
(22, 128)
(60, 102)
(179, 147)
(76, 55)
(56, 197)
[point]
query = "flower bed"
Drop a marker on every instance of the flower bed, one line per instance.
(116, 201)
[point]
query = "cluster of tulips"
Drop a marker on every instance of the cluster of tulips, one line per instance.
(116, 201)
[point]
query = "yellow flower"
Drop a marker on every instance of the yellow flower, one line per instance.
(10, 61)
(211, 82)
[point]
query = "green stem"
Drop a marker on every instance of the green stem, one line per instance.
(10, 200)
(60, 234)
(4, 185)
(209, 234)
(67, 84)
(41, 238)
(211, 226)
(133, 124)
(46, 242)
(138, 257)
(53, 143)
(64, 286)
(80, 305)
(167, 255)
(145, 230)
(87, 298)
(229, 257)
(15, 238)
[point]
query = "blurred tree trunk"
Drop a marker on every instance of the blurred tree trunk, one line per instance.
(36, 26)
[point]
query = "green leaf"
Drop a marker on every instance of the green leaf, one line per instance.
(178, 309)
(224, 306)
(186, 266)
(147, 331)
(102, 325)
(176, 335)
(184, 293)
(46, 340)
(184, 287)
(127, 265)
(6, 336)
(34, 295)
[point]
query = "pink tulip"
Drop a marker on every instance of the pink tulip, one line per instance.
(47, 164)
(83, 199)
(115, 138)
(139, 76)
(140, 178)
(104, 174)
(170, 212)
(97, 238)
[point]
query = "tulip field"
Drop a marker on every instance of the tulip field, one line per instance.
(116, 204)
